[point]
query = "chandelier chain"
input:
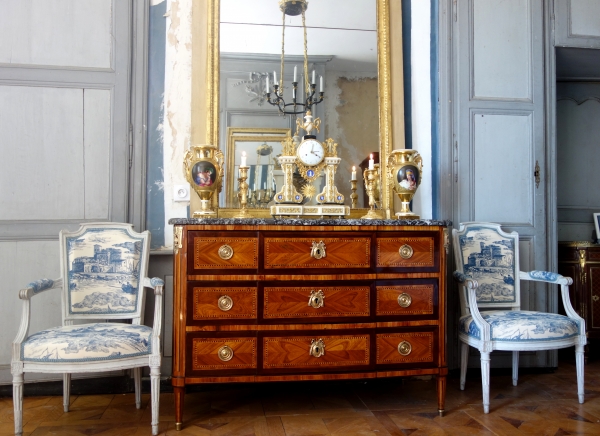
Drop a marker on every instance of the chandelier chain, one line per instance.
(306, 83)
(282, 51)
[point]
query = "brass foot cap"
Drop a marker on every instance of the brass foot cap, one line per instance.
(441, 412)
(178, 426)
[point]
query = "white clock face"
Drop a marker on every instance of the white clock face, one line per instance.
(310, 152)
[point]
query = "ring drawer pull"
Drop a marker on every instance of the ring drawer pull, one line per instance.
(406, 251)
(225, 303)
(225, 252)
(318, 250)
(225, 353)
(317, 348)
(316, 299)
(404, 348)
(404, 300)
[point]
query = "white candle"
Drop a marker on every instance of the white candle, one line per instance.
(353, 173)
(321, 84)
(295, 72)
(313, 78)
(243, 163)
(371, 162)
(267, 85)
(275, 78)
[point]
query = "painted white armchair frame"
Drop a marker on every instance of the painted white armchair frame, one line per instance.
(151, 358)
(486, 342)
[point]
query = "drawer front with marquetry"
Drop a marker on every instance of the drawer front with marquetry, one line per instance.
(416, 299)
(218, 303)
(316, 301)
(305, 352)
(406, 251)
(223, 353)
(409, 347)
(224, 252)
(317, 252)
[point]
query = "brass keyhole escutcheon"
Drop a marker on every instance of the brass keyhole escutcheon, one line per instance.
(317, 348)
(595, 298)
(406, 251)
(225, 303)
(225, 353)
(318, 250)
(404, 348)
(316, 299)
(225, 252)
(404, 300)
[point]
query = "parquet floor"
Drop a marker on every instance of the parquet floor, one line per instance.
(542, 404)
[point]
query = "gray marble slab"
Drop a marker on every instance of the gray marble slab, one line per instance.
(307, 222)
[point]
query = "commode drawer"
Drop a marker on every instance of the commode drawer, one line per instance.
(223, 353)
(409, 347)
(417, 299)
(316, 301)
(234, 252)
(215, 303)
(316, 351)
(405, 251)
(317, 252)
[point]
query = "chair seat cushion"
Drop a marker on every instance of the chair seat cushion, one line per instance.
(515, 325)
(88, 343)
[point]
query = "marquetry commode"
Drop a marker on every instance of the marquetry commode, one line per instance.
(260, 300)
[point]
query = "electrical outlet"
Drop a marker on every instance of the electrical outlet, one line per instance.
(181, 193)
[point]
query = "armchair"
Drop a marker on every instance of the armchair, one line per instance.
(103, 276)
(487, 262)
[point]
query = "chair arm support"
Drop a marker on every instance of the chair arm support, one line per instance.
(471, 286)
(545, 276)
(26, 294)
(158, 286)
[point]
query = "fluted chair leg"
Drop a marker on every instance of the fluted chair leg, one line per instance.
(579, 362)
(66, 391)
(485, 380)
(464, 360)
(155, 392)
(137, 379)
(515, 367)
(18, 402)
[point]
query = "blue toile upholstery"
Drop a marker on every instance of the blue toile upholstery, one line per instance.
(103, 278)
(487, 262)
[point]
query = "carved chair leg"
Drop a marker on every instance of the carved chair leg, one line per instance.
(515, 367)
(137, 380)
(18, 402)
(579, 362)
(464, 360)
(485, 380)
(66, 391)
(155, 393)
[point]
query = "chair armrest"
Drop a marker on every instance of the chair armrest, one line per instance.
(25, 294)
(471, 285)
(158, 286)
(545, 276)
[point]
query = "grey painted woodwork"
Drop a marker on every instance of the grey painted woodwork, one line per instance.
(495, 89)
(577, 23)
(72, 90)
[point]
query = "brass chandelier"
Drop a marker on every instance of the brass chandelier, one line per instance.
(294, 8)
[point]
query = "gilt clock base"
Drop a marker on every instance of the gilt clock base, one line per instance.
(331, 210)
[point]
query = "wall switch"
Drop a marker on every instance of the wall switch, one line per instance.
(181, 193)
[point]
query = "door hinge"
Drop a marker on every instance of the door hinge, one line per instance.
(130, 145)
(536, 174)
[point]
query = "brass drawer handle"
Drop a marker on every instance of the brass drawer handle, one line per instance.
(316, 299)
(225, 252)
(406, 251)
(225, 303)
(225, 353)
(318, 250)
(404, 348)
(317, 348)
(404, 300)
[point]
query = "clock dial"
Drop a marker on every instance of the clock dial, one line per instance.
(310, 152)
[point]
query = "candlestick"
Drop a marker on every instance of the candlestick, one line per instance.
(354, 195)
(243, 160)
(371, 162)
(370, 176)
(313, 78)
(353, 173)
(295, 72)
(243, 193)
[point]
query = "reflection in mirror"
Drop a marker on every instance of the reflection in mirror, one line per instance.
(342, 48)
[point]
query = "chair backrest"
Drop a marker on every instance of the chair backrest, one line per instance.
(103, 265)
(487, 254)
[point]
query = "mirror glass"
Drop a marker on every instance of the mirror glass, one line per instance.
(342, 49)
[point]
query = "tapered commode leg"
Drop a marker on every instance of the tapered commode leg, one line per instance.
(137, 380)
(579, 362)
(464, 360)
(515, 367)
(485, 380)
(441, 393)
(66, 391)
(179, 393)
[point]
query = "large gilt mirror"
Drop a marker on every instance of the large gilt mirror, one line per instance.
(348, 45)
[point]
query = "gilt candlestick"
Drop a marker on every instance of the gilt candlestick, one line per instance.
(354, 195)
(370, 185)
(243, 193)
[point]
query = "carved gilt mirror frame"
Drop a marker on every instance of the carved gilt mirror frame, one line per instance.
(205, 89)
